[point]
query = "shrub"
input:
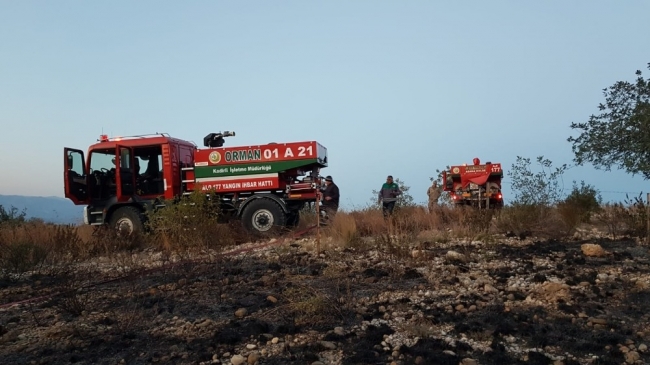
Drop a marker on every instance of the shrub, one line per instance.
(536, 220)
(627, 218)
(474, 222)
(308, 306)
(66, 241)
(538, 208)
(610, 215)
(411, 220)
(189, 223)
(11, 216)
(308, 216)
(19, 257)
(530, 188)
(636, 216)
(583, 201)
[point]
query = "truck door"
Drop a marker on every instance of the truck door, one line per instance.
(75, 176)
(124, 173)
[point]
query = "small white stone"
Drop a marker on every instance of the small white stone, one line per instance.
(237, 360)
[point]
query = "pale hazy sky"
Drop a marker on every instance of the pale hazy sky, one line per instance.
(389, 87)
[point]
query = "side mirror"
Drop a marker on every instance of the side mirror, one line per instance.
(70, 162)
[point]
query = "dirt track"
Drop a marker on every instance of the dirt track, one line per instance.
(512, 302)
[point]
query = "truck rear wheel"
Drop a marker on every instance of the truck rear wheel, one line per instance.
(263, 217)
(127, 221)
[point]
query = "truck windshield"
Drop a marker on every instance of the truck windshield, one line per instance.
(102, 159)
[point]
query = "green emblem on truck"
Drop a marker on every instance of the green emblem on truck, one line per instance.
(215, 157)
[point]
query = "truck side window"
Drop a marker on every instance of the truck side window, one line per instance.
(76, 163)
(125, 158)
(149, 159)
(75, 176)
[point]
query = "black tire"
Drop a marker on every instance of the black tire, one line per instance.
(263, 217)
(127, 220)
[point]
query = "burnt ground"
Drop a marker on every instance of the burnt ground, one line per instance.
(513, 302)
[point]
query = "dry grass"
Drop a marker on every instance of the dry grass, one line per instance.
(190, 231)
(307, 219)
(36, 246)
(58, 250)
(623, 219)
(417, 224)
(409, 224)
(308, 305)
(344, 230)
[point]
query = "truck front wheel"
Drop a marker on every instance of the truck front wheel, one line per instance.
(127, 221)
(263, 217)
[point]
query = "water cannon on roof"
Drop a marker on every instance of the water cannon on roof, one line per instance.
(213, 140)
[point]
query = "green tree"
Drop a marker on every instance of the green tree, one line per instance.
(544, 187)
(12, 215)
(620, 135)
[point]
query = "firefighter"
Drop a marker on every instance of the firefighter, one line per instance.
(434, 194)
(330, 194)
(388, 196)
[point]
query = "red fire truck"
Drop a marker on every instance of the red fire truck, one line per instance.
(263, 185)
(477, 185)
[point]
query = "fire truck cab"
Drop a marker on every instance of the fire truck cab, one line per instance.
(123, 175)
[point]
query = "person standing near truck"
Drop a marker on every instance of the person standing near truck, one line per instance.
(330, 202)
(388, 196)
(434, 194)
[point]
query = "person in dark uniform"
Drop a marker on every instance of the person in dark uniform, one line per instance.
(388, 196)
(330, 197)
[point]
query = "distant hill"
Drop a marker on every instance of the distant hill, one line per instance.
(48, 208)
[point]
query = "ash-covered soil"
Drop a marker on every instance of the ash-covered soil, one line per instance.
(511, 302)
